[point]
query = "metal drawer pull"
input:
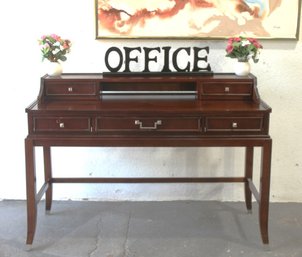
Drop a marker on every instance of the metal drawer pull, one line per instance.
(70, 89)
(226, 89)
(234, 125)
(61, 124)
(156, 123)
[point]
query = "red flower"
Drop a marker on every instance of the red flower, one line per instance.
(255, 42)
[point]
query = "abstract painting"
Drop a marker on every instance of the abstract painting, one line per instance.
(209, 19)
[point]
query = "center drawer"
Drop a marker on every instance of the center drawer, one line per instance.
(145, 124)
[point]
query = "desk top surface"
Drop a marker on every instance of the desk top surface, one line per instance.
(123, 106)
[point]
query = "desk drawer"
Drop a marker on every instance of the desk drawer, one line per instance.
(62, 124)
(71, 89)
(226, 90)
(233, 124)
(148, 124)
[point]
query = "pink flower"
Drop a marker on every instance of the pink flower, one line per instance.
(55, 36)
(65, 46)
(45, 46)
(229, 48)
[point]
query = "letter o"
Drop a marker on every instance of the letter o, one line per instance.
(108, 52)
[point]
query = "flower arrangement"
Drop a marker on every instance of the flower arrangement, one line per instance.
(54, 48)
(243, 49)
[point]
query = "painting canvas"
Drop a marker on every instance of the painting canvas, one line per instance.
(211, 19)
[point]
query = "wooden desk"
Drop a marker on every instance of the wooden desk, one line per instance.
(219, 110)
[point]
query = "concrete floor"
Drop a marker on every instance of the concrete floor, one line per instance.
(150, 229)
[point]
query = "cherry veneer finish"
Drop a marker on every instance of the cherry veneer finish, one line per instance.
(219, 110)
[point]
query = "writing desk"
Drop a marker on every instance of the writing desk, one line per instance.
(183, 110)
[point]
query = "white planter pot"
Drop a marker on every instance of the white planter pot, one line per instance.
(242, 68)
(54, 69)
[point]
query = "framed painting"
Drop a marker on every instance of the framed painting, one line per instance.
(197, 19)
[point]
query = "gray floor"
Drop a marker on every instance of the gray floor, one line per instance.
(150, 229)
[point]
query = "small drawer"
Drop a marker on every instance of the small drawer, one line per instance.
(71, 89)
(145, 124)
(227, 89)
(233, 124)
(62, 124)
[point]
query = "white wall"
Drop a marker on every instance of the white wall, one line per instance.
(23, 22)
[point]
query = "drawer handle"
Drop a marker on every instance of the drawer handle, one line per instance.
(226, 89)
(61, 124)
(156, 123)
(234, 125)
(70, 89)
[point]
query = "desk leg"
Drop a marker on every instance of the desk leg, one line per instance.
(265, 190)
(30, 190)
(47, 177)
(249, 158)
